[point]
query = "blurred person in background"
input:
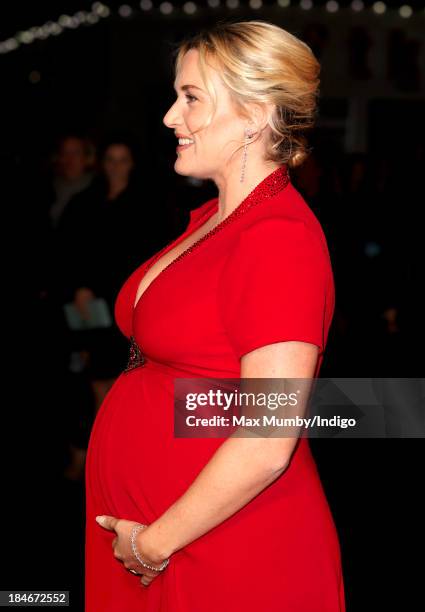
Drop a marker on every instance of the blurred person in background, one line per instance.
(45, 194)
(103, 234)
(43, 191)
(112, 207)
(73, 164)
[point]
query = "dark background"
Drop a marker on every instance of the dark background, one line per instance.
(116, 76)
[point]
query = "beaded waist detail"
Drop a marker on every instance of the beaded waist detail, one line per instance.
(136, 358)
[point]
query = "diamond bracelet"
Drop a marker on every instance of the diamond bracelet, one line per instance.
(134, 532)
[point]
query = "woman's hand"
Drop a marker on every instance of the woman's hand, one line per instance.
(122, 551)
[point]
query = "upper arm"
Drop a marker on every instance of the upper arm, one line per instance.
(281, 361)
(289, 359)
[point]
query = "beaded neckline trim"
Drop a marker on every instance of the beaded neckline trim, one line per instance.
(267, 188)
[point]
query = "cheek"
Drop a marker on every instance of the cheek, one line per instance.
(194, 119)
(224, 133)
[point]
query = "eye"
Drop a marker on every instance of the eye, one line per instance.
(190, 98)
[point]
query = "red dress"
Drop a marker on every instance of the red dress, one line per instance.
(261, 276)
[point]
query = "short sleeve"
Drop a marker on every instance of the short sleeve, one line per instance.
(273, 286)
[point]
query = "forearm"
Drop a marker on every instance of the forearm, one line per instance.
(239, 470)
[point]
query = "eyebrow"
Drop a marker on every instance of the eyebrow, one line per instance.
(186, 87)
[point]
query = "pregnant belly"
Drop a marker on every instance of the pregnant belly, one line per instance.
(136, 468)
(134, 463)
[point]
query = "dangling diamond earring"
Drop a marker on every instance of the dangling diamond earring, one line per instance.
(248, 135)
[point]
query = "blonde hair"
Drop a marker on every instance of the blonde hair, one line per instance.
(262, 63)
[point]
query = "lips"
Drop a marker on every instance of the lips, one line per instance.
(182, 147)
(185, 146)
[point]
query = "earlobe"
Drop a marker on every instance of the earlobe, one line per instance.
(250, 132)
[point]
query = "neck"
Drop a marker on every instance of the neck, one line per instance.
(115, 188)
(231, 192)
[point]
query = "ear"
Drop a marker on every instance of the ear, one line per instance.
(259, 114)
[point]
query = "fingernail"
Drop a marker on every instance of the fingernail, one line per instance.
(100, 519)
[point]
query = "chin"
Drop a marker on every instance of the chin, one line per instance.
(190, 171)
(182, 169)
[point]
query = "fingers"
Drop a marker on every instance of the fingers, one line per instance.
(141, 571)
(111, 523)
(114, 549)
(108, 522)
(146, 575)
(146, 580)
(131, 567)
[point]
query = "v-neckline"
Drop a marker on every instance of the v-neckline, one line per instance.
(204, 218)
(272, 184)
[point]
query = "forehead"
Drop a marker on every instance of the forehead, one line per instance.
(117, 149)
(72, 144)
(190, 73)
(189, 70)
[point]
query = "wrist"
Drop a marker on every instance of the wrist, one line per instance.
(149, 548)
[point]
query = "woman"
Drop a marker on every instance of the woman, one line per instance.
(108, 212)
(239, 523)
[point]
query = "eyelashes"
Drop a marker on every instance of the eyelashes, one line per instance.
(190, 99)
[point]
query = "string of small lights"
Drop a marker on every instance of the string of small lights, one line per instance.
(100, 11)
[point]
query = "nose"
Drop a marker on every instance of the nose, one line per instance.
(171, 118)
